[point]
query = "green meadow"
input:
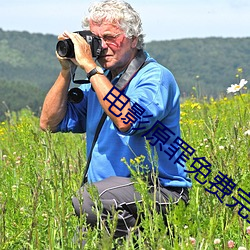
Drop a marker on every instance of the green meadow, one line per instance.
(40, 172)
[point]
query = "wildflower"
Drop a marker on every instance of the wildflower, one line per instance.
(192, 240)
(185, 227)
(123, 160)
(216, 241)
(132, 162)
(230, 244)
(14, 188)
(195, 105)
(247, 133)
(242, 248)
(45, 216)
(183, 113)
(221, 147)
(237, 87)
(138, 160)
(22, 210)
(240, 70)
(248, 230)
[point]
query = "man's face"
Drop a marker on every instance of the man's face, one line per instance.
(118, 50)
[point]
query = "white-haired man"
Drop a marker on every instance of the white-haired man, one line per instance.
(147, 110)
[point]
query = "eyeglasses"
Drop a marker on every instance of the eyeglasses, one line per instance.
(110, 38)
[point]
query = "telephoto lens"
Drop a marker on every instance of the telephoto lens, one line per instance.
(65, 48)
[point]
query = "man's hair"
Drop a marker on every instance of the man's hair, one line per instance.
(120, 13)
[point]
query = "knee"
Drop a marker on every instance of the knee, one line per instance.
(84, 205)
(77, 206)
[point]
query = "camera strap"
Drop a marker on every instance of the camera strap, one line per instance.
(136, 64)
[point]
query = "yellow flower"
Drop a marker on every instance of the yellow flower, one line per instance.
(138, 160)
(195, 105)
(132, 162)
(240, 70)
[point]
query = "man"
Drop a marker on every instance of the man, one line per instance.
(148, 110)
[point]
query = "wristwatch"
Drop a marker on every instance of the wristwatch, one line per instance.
(96, 70)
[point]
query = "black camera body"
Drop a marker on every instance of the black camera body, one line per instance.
(65, 48)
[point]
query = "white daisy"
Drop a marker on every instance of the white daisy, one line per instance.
(237, 87)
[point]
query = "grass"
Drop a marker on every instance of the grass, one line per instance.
(40, 172)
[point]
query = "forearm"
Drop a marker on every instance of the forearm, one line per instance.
(102, 86)
(55, 103)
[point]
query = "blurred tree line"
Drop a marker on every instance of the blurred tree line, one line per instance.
(209, 65)
(202, 67)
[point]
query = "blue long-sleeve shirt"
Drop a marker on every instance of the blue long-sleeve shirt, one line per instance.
(155, 90)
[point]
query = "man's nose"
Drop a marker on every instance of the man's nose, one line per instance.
(104, 44)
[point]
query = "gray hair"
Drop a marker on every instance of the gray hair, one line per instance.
(120, 13)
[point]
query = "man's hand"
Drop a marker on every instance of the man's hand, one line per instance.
(83, 54)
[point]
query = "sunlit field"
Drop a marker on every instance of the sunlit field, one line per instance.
(40, 172)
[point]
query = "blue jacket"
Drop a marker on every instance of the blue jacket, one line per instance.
(155, 90)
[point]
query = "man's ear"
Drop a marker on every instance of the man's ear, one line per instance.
(134, 42)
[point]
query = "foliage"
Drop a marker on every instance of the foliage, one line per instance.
(28, 58)
(28, 68)
(40, 172)
(14, 95)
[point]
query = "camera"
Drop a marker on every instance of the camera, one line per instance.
(65, 48)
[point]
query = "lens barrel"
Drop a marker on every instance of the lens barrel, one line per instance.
(65, 48)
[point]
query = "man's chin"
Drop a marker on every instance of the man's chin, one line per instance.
(105, 63)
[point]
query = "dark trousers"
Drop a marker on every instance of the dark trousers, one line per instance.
(119, 194)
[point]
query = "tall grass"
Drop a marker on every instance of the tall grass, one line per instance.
(40, 172)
